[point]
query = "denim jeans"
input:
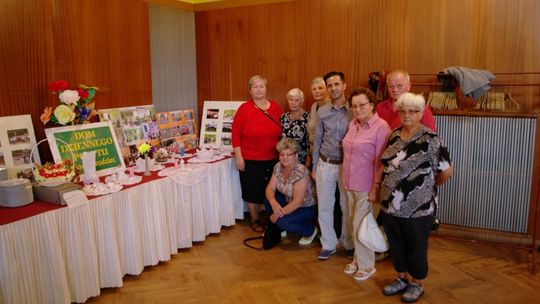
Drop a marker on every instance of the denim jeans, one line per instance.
(301, 221)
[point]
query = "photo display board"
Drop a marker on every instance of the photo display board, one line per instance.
(133, 126)
(99, 137)
(216, 123)
(178, 127)
(17, 139)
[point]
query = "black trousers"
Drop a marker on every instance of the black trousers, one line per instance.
(408, 239)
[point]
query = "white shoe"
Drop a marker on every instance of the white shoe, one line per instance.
(283, 234)
(307, 240)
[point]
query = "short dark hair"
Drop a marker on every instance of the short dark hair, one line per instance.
(363, 90)
(334, 73)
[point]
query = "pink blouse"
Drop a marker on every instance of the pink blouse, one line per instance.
(362, 149)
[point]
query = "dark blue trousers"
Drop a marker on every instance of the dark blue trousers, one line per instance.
(301, 221)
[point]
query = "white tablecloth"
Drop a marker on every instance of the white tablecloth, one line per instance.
(67, 255)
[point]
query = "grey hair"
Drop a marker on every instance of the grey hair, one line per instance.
(317, 80)
(287, 143)
(411, 101)
(398, 72)
(296, 92)
(256, 77)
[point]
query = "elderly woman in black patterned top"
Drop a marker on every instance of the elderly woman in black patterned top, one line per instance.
(415, 162)
(294, 123)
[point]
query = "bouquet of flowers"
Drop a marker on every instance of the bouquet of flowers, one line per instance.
(76, 106)
(145, 150)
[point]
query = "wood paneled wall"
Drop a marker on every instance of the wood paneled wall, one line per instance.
(94, 42)
(290, 43)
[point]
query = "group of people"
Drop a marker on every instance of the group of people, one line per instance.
(387, 153)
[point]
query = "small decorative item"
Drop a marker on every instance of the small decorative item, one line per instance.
(76, 106)
(145, 151)
(162, 155)
(89, 167)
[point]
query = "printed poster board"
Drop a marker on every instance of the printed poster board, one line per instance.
(99, 137)
(133, 126)
(216, 123)
(178, 127)
(17, 139)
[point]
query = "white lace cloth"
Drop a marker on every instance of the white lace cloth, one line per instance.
(68, 254)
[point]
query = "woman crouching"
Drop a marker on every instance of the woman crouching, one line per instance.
(290, 194)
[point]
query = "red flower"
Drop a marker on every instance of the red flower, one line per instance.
(58, 85)
(82, 93)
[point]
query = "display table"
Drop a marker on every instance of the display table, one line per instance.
(67, 254)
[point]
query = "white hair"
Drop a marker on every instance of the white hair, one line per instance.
(411, 101)
(296, 92)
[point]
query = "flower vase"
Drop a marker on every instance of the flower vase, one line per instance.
(146, 166)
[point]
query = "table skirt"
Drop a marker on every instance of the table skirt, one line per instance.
(68, 254)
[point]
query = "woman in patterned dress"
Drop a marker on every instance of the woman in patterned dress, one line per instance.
(294, 123)
(415, 162)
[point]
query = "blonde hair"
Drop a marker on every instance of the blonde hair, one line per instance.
(253, 78)
(287, 143)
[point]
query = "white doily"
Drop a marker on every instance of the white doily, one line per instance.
(187, 175)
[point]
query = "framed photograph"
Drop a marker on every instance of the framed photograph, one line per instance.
(99, 137)
(216, 124)
(178, 126)
(17, 144)
(133, 126)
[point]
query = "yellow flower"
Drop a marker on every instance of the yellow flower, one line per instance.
(64, 114)
(144, 148)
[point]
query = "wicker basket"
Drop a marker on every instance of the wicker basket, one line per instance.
(54, 174)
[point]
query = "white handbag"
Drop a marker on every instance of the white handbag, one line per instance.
(371, 235)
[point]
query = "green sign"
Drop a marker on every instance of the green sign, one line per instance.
(72, 141)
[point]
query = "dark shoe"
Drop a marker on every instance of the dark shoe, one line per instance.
(413, 293)
(257, 226)
(349, 253)
(397, 286)
(326, 254)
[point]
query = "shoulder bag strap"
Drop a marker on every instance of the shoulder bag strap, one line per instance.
(267, 115)
(252, 239)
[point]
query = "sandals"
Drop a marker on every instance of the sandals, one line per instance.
(363, 274)
(350, 268)
(256, 226)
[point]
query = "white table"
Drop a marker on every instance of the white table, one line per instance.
(67, 255)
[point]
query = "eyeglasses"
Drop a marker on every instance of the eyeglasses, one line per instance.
(287, 154)
(410, 112)
(362, 105)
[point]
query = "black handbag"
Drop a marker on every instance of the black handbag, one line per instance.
(271, 237)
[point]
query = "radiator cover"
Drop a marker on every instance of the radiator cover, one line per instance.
(493, 161)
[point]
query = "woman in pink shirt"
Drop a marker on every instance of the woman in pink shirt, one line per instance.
(361, 177)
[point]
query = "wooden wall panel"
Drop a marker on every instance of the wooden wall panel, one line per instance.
(290, 43)
(94, 42)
